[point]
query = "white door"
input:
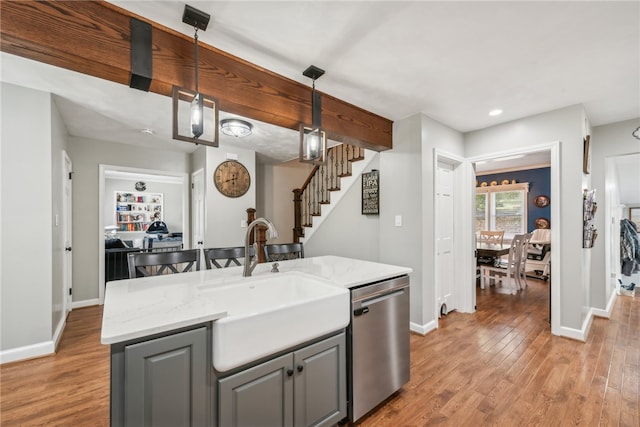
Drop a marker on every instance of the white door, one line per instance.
(197, 208)
(67, 210)
(445, 299)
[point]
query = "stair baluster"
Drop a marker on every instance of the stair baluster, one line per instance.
(323, 179)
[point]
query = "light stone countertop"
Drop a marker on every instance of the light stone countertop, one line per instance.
(141, 307)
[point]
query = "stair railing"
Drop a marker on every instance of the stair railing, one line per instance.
(323, 179)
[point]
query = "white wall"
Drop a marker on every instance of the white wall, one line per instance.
(224, 214)
(87, 155)
(274, 195)
(409, 192)
(345, 231)
(566, 125)
(435, 135)
(607, 142)
(26, 220)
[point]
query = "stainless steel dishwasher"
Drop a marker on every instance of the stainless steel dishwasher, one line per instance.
(379, 343)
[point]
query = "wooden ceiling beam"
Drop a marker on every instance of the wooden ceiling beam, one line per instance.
(94, 38)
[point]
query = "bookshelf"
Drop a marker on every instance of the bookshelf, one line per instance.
(135, 211)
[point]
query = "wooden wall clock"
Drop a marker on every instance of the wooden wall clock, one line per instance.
(231, 178)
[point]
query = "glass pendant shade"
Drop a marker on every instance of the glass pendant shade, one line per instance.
(197, 116)
(313, 145)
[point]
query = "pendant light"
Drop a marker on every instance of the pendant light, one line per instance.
(313, 140)
(201, 106)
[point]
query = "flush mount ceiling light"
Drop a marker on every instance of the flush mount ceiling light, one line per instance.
(495, 112)
(235, 127)
(195, 115)
(313, 140)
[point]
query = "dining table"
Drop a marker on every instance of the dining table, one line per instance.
(491, 250)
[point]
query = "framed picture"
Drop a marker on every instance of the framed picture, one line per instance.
(586, 155)
(370, 193)
(634, 216)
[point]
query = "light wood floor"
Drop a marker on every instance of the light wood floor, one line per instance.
(499, 366)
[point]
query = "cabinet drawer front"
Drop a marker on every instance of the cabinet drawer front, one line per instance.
(259, 396)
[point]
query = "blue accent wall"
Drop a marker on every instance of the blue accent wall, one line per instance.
(539, 184)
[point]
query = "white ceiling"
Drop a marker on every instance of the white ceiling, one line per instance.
(453, 61)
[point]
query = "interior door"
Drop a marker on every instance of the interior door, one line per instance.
(67, 233)
(444, 239)
(197, 208)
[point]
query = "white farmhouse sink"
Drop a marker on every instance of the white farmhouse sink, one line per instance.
(267, 314)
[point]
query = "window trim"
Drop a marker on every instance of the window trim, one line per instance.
(520, 186)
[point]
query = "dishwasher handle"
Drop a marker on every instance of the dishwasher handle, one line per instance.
(376, 298)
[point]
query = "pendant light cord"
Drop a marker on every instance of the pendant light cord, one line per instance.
(195, 55)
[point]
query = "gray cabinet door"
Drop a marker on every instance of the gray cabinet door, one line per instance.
(166, 381)
(258, 396)
(320, 383)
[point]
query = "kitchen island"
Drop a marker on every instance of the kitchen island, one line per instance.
(165, 332)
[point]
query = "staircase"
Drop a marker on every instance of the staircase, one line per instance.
(324, 179)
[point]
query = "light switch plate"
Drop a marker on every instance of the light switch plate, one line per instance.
(243, 223)
(398, 221)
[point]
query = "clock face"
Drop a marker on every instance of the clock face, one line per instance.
(232, 178)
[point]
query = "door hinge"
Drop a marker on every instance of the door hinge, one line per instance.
(70, 174)
(70, 291)
(192, 186)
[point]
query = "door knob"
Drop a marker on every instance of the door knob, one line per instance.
(68, 249)
(289, 372)
(300, 368)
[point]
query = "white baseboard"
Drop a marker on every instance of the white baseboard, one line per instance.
(85, 303)
(423, 329)
(27, 352)
(606, 313)
(58, 333)
(578, 334)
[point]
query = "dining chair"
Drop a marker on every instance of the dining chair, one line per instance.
(511, 269)
(143, 264)
(492, 236)
(230, 255)
(283, 251)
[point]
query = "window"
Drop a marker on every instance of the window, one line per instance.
(502, 207)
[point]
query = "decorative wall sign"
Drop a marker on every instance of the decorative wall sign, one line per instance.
(371, 193)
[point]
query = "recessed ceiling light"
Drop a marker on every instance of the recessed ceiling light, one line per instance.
(147, 131)
(495, 112)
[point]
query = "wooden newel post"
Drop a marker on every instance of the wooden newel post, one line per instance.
(258, 235)
(298, 232)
